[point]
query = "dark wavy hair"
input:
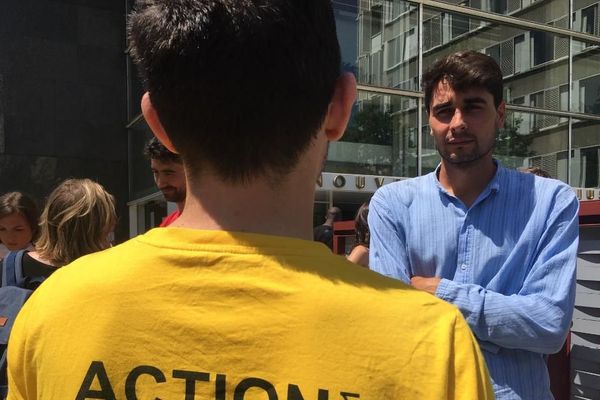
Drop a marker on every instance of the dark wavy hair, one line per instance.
(464, 70)
(155, 150)
(18, 202)
(362, 236)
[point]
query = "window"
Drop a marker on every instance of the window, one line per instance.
(460, 25)
(589, 158)
(393, 9)
(589, 19)
(498, 6)
(494, 52)
(376, 20)
(522, 61)
(376, 68)
(401, 48)
(564, 101)
(542, 46)
(432, 32)
(537, 100)
(589, 94)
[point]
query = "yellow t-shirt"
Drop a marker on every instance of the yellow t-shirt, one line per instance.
(187, 314)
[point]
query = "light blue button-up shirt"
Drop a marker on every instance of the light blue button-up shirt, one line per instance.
(507, 262)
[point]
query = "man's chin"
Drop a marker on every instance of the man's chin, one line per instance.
(174, 199)
(463, 160)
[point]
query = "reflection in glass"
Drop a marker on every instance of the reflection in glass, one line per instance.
(381, 138)
(534, 64)
(518, 144)
(552, 12)
(585, 163)
(585, 17)
(586, 78)
(387, 47)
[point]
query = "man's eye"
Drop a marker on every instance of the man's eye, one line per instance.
(444, 112)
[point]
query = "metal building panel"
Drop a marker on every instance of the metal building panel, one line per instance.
(592, 342)
(586, 379)
(586, 299)
(588, 313)
(586, 326)
(584, 393)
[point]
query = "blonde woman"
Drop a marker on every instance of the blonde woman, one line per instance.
(78, 217)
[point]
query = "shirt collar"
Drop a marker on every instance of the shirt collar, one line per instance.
(492, 186)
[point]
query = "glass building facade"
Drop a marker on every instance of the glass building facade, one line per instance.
(548, 51)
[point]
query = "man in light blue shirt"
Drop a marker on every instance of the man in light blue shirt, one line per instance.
(497, 243)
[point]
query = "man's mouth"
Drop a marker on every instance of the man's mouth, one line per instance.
(458, 141)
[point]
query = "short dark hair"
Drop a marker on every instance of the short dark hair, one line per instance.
(536, 171)
(334, 213)
(361, 225)
(464, 70)
(21, 203)
(240, 85)
(155, 150)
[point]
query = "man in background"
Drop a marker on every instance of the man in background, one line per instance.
(324, 233)
(169, 176)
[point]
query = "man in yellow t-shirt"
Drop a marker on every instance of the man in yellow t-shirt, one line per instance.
(234, 301)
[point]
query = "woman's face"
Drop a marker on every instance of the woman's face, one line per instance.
(15, 232)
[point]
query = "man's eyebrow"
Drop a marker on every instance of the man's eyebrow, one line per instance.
(475, 100)
(441, 106)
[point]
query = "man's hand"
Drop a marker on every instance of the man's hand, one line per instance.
(427, 284)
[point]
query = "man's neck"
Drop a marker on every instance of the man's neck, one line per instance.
(258, 207)
(466, 182)
(180, 205)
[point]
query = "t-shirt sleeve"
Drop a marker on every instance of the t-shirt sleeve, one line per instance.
(468, 374)
(21, 373)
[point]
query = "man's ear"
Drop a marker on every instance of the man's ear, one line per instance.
(151, 117)
(340, 107)
(501, 115)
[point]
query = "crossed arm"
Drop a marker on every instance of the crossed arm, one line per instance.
(535, 319)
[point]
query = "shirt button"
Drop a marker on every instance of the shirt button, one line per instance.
(463, 267)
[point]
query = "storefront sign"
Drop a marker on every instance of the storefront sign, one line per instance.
(353, 183)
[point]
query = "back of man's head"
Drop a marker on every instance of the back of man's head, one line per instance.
(239, 85)
(155, 150)
(334, 214)
(464, 70)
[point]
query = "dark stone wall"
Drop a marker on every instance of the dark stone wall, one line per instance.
(63, 96)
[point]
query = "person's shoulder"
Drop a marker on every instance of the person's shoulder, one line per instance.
(404, 191)
(93, 269)
(544, 189)
(359, 255)
(355, 287)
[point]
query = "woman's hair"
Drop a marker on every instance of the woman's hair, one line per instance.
(363, 237)
(20, 203)
(76, 220)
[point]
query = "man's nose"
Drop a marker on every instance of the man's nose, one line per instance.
(458, 122)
